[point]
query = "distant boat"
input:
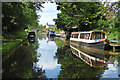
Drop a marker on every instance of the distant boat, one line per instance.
(96, 39)
(31, 37)
(58, 35)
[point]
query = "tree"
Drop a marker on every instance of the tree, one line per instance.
(18, 16)
(113, 20)
(84, 14)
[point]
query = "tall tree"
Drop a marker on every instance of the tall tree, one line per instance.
(19, 15)
(84, 14)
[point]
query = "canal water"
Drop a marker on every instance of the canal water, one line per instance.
(53, 58)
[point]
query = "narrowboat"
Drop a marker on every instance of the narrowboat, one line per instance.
(96, 39)
(92, 60)
(31, 35)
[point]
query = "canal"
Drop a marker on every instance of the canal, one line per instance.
(53, 58)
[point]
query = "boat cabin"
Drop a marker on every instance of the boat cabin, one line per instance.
(90, 35)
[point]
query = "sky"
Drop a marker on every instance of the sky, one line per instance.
(48, 13)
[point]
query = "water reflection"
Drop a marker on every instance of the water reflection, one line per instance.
(88, 59)
(50, 38)
(112, 71)
(73, 67)
(47, 61)
(49, 57)
(31, 40)
(92, 64)
(93, 59)
(98, 58)
(19, 64)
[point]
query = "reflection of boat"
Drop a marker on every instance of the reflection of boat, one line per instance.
(52, 38)
(31, 37)
(94, 39)
(91, 60)
(94, 50)
(52, 33)
(31, 40)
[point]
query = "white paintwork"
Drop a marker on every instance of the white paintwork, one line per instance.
(47, 26)
(86, 41)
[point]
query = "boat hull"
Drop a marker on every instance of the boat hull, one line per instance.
(97, 45)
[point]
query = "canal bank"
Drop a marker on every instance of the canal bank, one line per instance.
(11, 47)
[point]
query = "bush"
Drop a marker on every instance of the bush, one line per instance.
(113, 34)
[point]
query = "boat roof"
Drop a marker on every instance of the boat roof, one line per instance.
(87, 32)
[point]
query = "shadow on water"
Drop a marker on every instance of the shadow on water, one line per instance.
(52, 57)
(20, 64)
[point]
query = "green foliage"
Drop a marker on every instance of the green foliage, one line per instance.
(18, 16)
(20, 34)
(52, 28)
(59, 43)
(40, 26)
(7, 46)
(111, 24)
(90, 16)
(113, 34)
(84, 14)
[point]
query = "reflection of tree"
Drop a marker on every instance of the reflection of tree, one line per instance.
(59, 43)
(73, 67)
(19, 65)
(38, 72)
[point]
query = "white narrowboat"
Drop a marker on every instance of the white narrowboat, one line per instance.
(94, 39)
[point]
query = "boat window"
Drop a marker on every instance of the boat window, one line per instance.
(93, 37)
(87, 59)
(82, 56)
(103, 35)
(86, 35)
(82, 35)
(75, 35)
(76, 52)
(97, 35)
